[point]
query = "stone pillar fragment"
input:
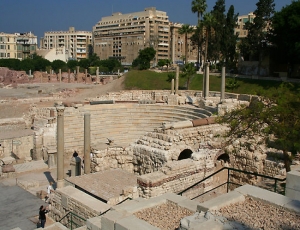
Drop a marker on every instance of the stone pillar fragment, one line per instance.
(223, 84)
(69, 75)
(60, 146)
(87, 143)
(85, 79)
(172, 86)
(59, 75)
(177, 80)
(97, 75)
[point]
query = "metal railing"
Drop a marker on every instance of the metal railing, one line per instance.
(228, 182)
(73, 220)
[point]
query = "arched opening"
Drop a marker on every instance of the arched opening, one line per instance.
(185, 154)
(224, 157)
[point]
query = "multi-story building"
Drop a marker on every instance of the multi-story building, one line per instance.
(240, 29)
(177, 45)
(76, 43)
(121, 36)
(17, 45)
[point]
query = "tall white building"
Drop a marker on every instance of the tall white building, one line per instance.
(75, 43)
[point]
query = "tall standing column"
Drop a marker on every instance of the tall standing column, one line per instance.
(172, 86)
(60, 146)
(206, 81)
(223, 84)
(87, 143)
(177, 80)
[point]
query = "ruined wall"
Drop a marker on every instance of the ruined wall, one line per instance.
(176, 176)
(18, 146)
(112, 158)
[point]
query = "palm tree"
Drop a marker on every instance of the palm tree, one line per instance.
(188, 71)
(208, 23)
(199, 7)
(186, 29)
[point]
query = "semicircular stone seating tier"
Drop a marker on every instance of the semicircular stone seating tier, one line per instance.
(123, 123)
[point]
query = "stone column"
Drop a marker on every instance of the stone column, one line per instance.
(77, 72)
(30, 73)
(223, 84)
(59, 75)
(60, 146)
(172, 86)
(85, 76)
(203, 83)
(97, 75)
(206, 81)
(87, 143)
(177, 80)
(69, 75)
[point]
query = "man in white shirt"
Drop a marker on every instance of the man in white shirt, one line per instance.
(50, 191)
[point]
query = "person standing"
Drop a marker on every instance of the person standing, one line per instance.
(50, 190)
(42, 215)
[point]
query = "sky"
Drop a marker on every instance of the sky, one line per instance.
(39, 16)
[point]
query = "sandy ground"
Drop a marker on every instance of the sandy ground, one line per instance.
(12, 105)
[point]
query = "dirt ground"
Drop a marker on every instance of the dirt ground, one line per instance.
(12, 105)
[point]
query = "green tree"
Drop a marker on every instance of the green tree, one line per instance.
(161, 62)
(72, 64)
(185, 29)
(59, 64)
(256, 42)
(40, 63)
(27, 64)
(188, 71)
(199, 7)
(144, 58)
(277, 115)
(208, 23)
(216, 47)
(10, 63)
(84, 63)
(230, 39)
(285, 34)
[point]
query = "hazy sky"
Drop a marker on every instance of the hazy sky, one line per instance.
(39, 16)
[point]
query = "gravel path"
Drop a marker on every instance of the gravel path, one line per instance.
(259, 215)
(166, 216)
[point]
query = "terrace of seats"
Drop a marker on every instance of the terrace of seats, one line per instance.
(124, 123)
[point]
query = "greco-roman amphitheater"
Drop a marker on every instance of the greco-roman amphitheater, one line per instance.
(145, 148)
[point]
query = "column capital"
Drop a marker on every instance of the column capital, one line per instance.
(60, 110)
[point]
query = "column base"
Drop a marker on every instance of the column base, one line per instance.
(60, 183)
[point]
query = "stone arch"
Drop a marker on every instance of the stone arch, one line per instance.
(185, 154)
(223, 156)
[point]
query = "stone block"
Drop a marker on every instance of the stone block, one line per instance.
(133, 223)
(109, 219)
(293, 185)
(94, 223)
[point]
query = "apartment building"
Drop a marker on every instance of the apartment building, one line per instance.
(17, 45)
(121, 36)
(177, 45)
(75, 43)
(240, 29)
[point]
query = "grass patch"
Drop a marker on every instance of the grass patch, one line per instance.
(150, 80)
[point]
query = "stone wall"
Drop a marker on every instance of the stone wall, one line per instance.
(176, 176)
(70, 199)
